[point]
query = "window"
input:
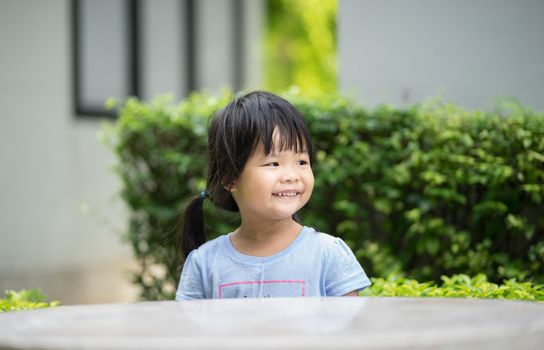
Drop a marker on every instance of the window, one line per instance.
(105, 53)
(144, 48)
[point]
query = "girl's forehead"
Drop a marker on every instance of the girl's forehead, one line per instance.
(277, 149)
(281, 142)
(278, 142)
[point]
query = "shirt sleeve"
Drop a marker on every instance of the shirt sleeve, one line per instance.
(343, 273)
(191, 285)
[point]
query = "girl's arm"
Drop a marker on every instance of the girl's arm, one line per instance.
(191, 284)
(343, 274)
(352, 294)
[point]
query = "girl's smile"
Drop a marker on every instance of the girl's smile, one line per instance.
(287, 194)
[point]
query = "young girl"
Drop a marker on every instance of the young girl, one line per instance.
(259, 163)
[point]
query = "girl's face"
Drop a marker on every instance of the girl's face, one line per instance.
(274, 187)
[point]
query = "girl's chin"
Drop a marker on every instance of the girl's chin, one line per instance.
(276, 212)
(278, 215)
(286, 214)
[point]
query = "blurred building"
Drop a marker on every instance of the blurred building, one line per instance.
(61, 217)
(468, 52)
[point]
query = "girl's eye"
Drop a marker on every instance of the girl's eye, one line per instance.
(273, 164)
(302, 162)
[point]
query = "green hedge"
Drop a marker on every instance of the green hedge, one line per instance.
(423, 192)
(24, 300)
(456, 286)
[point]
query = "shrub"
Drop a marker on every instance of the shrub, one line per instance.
(456, 286)
(24, 300)
(427, 191)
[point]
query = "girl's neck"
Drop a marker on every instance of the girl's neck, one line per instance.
(262, 231)
(265, 238)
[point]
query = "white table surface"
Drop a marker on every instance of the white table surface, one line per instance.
(282, 323)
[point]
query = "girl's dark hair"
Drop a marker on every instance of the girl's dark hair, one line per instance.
(233, 135)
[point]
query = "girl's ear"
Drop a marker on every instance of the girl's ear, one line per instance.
(231, 186)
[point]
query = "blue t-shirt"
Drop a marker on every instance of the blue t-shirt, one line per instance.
(314, 264)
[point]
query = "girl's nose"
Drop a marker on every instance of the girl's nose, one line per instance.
(290, 175)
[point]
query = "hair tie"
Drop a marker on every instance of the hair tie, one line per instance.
(203, 194)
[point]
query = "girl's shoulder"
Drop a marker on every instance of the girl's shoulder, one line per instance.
(331, 247)
(210, 247)
(324, 240)
(319, 236)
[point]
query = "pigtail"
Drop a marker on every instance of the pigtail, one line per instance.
(193, 234)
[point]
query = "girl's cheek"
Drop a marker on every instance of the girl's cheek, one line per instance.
(311, 186)
(311, 182)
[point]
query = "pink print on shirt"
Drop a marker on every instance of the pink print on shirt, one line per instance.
(277, 288)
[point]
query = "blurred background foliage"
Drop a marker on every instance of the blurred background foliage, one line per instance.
(300, 46)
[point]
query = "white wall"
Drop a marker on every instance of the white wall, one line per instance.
(470, 52)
